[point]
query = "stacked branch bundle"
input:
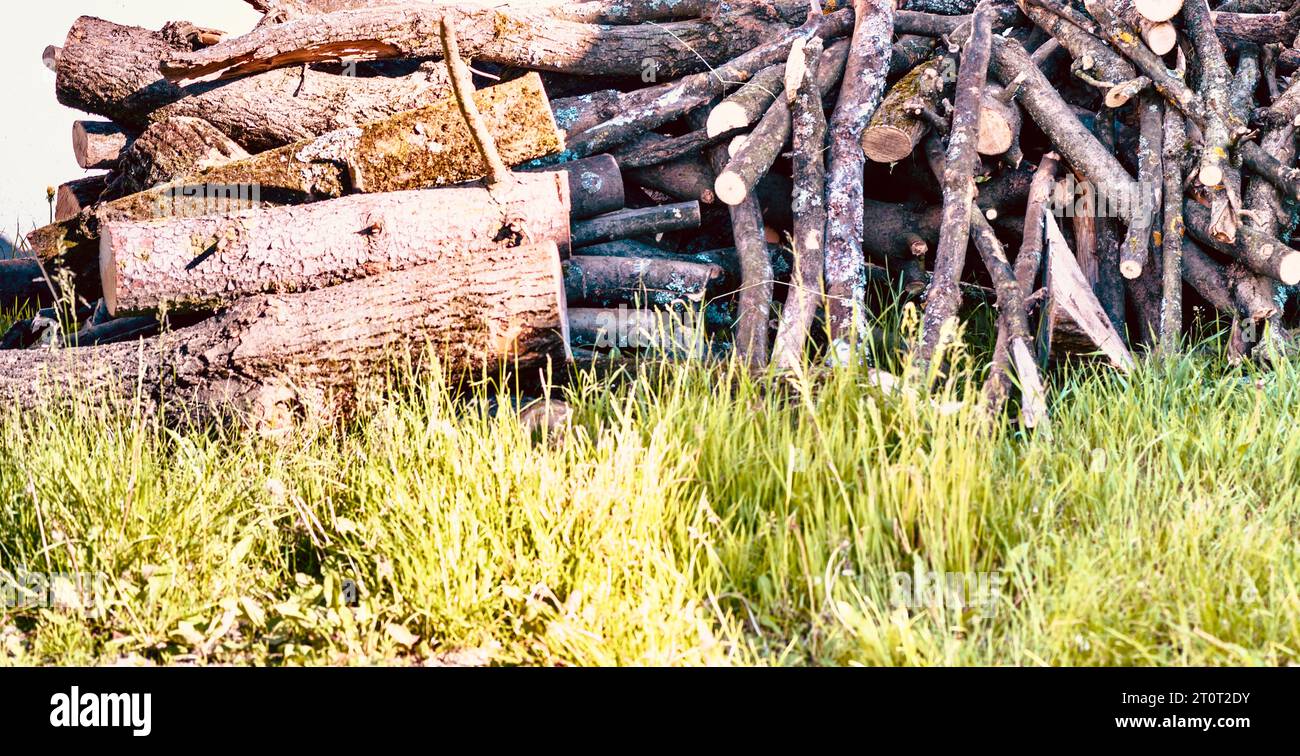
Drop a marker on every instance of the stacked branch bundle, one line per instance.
(276, 213)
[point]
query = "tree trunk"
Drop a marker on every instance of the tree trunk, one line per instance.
(170, 149)
(520, 38)
(112, 71)
(272, 357)
(196, 264)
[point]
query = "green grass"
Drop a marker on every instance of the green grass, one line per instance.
(690, 516)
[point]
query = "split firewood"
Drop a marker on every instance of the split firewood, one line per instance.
(171, 149)
(1073, 321)
(605, 280)
(900, 122)
(73, 197)
(271, 358)
(97, 144)
(514, 37)
(860, 93)
(763, 145)
(808, 140)
(644, 221)
(112, 70)
(419, 148)
(203, 263)
(943, 297)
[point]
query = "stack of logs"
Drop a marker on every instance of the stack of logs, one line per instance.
(282, 211)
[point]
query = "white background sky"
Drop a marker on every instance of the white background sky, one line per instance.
(35, 130)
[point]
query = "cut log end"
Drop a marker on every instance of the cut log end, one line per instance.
(1158, 10)
(1161, 37)
(1130, 269)
(108, 269)
(1288, 269)
(1210, 175)
(886, 144)
(730, 188)
(996, 133)
(727, 116)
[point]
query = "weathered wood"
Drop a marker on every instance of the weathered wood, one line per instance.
(1137, 240)
(590, 11)
(515, 37)
(171, 149)
(595, 185)
(605, 280)
(112, 71)
(808, 141)
(864, 84)
(1073, 321)
(73, 197)
(97, 144)
(1261, 28)
(1215, 79)
(203, 263)
(642, 221)
(1171, 239)
(270, 358)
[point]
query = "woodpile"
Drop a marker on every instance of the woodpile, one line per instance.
(276, 211)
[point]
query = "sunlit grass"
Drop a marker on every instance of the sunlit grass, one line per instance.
(690, 515)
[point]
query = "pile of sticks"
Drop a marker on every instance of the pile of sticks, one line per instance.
(279, 211)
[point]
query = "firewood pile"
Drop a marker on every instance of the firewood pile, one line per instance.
(283, 210)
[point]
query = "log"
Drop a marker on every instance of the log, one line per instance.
(748, 103)
(75, 196)
(763, 145)
(1261, 252)
(595, 185)
(898, 124)
(419, 148)
(591, 11)
(644, 221)
(654, 149)
(171, 149)
(1110, 282)
(1137, 240)
(999, 123)
(605, 280)
(808, 140)
(512, 37)
(624, 328)
(96, 144)
(22, 285)
(1171, 239)
(1158, 10)
(684, 179)
(943, 297)
(725, 260)
(270, 358)
(652, 107)
(1260, 28)
(1073, 321)
(1215, 82)
(864, 84)
(203, 263)
(112, 71)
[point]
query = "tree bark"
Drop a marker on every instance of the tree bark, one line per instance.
(606, 280)
(943, 297)
(642, 221)
(1137, 240)
(1261, 252)
(170, 149)
(198, 264)
(415, 149)
(112, 71)
(270, 358)
(898, 124)
(808, 140)
(746, 105)
(860, 94)
(1171, 240)
(521, 38)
